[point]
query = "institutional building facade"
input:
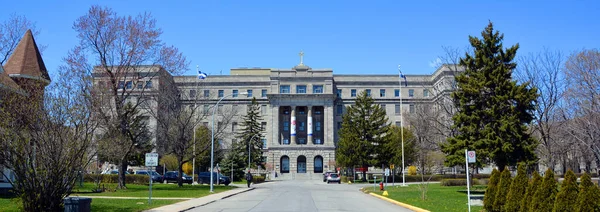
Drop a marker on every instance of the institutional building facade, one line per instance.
(301, 107)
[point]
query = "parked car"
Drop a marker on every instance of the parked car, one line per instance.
(326, 174)
(204, 177)
(171, 176)
(114, 172)
(334, 177)
(156, 177)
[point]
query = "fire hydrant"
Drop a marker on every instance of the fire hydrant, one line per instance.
(381, 186)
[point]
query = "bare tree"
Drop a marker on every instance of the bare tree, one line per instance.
(121, 52)
(47, 144)
(544, 72)
(11, 32)
(420, 121)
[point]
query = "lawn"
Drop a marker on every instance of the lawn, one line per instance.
(158, 190)
(11, 205)
(440, 198)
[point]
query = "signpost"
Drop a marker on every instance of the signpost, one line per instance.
(387, 174)
(469, 158)
(393, 174)
(151, 161)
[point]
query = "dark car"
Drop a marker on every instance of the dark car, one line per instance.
(204, 177)
(156, 177)
(172, 177)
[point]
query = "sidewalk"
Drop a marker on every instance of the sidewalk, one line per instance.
(197, 202)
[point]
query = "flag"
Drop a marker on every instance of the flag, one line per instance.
(202, 75)
(404, 77)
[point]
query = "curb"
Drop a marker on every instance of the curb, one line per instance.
(222, 198)
(399, 203)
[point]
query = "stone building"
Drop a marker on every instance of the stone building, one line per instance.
(301, 107)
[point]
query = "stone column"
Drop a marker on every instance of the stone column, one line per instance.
(309, 130)
(293, 126)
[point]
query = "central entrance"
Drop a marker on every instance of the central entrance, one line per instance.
(301, 164)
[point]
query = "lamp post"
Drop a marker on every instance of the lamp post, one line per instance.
(212, 139)
(401, 125)
(249, 145)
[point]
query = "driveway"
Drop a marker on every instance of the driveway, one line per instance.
(302, 196)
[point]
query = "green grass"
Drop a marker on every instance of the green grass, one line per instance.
(158, 190)
(439, 198)
(11, 205)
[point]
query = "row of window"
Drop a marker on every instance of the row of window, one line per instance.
(235, 93)
(300, 89)
(301, 164)
(411, 108)
(411, 92)
(129, 84)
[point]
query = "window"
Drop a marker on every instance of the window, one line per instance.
(381, 92)
(411, 108)
(300, 88)
(317, 88)
(301, 140)
(264, 143)
(286, 141)
(396, 92)
(340, 109)
(192, 94)
(411, 92)
(249, 93)
(234, 93)
(318, 164)
(129, 85)
(339, 125)
(220, 109)
(284, 89)
(206, 109)
(263, 109)
(285, 164)
(221, 144)
(221, 93)
(301, 126)
(425, 93)
(206, 93)
(353, 93)
(318, 126)
(263, 93)
(121, 84)
(233, 126)
(398, 124)
(369, 92)
(383, 107)
(140, 85)
(148, 84)
(286, 126)
(318, 141)
(397, 109)
(263, 125)
(339, 93)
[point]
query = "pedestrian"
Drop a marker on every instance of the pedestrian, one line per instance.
(249, 178)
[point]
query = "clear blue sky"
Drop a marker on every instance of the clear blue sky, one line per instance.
(351, 37)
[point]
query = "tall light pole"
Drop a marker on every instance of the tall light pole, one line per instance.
(401, 125)
(249, 145)
(212, 140)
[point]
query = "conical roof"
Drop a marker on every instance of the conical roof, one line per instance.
(26, 60)
(6, 82)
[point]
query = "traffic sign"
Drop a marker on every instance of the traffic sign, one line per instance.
(471, 156)
(387, 172)
(152, 159)
(392, 166)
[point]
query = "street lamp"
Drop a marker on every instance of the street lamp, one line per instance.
(212, 139)
(401, 125)
(249, 144)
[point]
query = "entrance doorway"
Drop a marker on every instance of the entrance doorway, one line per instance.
(301, 164)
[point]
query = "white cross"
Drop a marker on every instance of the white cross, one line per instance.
(301, 55)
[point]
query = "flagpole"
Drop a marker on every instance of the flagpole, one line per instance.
(401, 125)
(194, 133)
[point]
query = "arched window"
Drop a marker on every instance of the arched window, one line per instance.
(318, 164)
(301, 164)
(285, 164)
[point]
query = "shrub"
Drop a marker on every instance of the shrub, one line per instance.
(502, 190)
(544, 197)
(412, 170)
(114, 178)
(345, 179)
(187, 168)
(258, 179)
(490, 192)
(566, 199)
(587, 199)
(453, 182)
(531, 188)
(517, 190)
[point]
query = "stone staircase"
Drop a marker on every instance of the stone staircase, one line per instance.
(300, 176)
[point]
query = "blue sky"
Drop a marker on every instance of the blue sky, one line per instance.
(351, 37)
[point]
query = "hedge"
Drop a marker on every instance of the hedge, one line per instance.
(345, 179)
(462, 182)
(114, 178)
(258, 179)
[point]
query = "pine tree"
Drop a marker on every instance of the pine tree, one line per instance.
(235, 159)
(502, 190)
(535, 182)
(517, 190)
(544, 197)
(363, 134)
(491, 190)
(250, 136)
(587, 199)
(566, 199)
(492, 109)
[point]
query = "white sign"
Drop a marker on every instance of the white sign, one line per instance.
(152, 159)
(471, 156)
(387, 172)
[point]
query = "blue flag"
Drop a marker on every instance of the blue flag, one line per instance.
(404, 77)
(202, 75)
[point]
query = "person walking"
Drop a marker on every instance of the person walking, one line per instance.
(249, 178)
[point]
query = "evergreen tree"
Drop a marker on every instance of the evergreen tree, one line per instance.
(502, 190)
(363, 135)
(517, 190)
(491, 190)
(235, 159)
(566, 199)
(531, 189)
(392, 151)
(587, 199)
(250, 136)
(492, 109)
(544, 197)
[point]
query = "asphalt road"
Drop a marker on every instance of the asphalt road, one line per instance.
(301, 196)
